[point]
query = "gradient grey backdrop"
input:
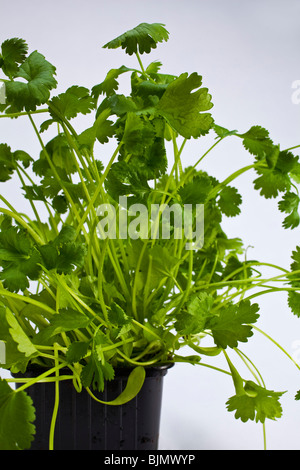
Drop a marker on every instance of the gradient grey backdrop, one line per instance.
(248, 55)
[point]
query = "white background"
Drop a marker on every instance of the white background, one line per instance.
(248, 55)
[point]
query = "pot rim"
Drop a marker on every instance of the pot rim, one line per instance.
(34, 370)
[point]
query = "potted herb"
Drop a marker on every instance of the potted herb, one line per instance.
(127, 267)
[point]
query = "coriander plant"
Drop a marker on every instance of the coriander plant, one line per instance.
(91, 284)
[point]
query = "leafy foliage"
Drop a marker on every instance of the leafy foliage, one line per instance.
(69, 104)
(186, 115)
(258, 142)
(19, 259)
(9, 161)
(229, 201)
(256, 403)
(72, 295)
(13, 53)
(16, 417)
(110, 85)
(290, 205)
(39, 76)
(197, 314)
(294, 295)
(142, 38)
(232, 324)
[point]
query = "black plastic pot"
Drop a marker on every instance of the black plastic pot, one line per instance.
(84, 424)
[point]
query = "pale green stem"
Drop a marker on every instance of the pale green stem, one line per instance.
(56, 402)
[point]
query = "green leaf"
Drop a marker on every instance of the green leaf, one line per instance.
(110, 85)
(163, 261)
(14, 359)
(60, 153)
(289, 204)
(272, 157)
(295, 268)
(76, 351)
(257, 142)
(157, 264)
(256, 403)
(63, 254)
(223, 132)
(295, 174)
(24, 157)
(66, 234)
(19, 259)
(137, 134)
(104, 131)
(195, 318)
(154, 67)
(235, 269)
(71, 255)
(125, 179)
(7, 165)
(134, 384)
(36, 313)
(277, 179)
(108, 371)
(68, 105)
(13, 53)
(229, 201)
(9, 159)
(232, 324)
(16, 417)
(95, 372)
(117, 316)
(60, 204)
(39, 76)
(142, 38)
(196, 190)
(184, 109)
(119, 105)
(271, 182)
(100, 340)
(19, 336)
(66, 320)
(292, 220)
(15, 275)
(201, 304)
(287, 162)
(294, 302)
(49, 254)
(150, 91)
(188, 324)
